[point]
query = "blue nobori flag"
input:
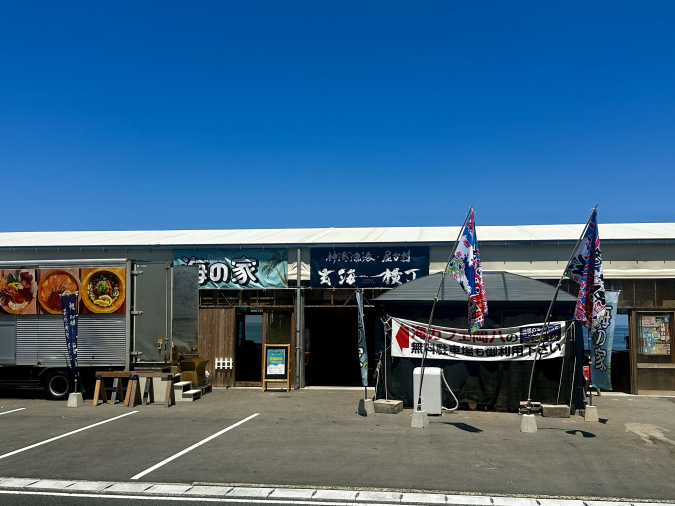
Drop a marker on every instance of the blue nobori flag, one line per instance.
(69, 305)
(602, 337)
(363, 351)
(465, 267)
(586, 270)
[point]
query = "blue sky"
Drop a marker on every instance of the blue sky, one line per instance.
(169, 115)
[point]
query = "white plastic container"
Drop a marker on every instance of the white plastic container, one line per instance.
(432, 396)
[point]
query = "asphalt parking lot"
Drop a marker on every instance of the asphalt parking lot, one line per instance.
(315, 438)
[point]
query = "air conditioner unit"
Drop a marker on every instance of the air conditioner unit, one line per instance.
(432, 395)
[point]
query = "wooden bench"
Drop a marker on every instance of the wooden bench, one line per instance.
(133, 395)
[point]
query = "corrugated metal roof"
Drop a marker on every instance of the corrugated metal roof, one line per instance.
(499, 287)
(329, 236)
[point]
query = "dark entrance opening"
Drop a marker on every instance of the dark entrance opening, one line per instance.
(333, 355)
(249, 348)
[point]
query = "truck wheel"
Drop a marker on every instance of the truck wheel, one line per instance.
(57, 386)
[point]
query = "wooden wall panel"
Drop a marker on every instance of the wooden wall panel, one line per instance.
(217, 338)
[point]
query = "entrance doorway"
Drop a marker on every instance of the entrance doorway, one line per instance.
(273, 326)
(280, 329)
(333, 358)
(249, 349)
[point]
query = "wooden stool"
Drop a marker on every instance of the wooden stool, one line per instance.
(133, 394)
(99, 390)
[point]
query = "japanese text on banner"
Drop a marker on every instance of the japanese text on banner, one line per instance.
(506, 344)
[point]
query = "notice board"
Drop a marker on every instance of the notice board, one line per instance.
(276, 367)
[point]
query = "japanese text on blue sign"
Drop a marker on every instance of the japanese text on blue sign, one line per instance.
(266, 268)
(367, 267)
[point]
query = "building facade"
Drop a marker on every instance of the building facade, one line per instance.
(296, 286)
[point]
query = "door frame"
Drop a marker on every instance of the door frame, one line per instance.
(239, 384)
(291, 359)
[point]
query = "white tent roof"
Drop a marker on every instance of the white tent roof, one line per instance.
(328, 236)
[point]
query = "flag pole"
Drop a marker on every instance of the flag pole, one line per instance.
(77, 296)
(362, 337)
(433, 307)
(544, 327)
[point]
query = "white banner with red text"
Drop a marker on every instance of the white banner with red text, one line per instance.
(507, 344)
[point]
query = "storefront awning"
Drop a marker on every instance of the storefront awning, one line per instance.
(499, 287)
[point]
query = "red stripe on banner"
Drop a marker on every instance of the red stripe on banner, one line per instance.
(403, 337)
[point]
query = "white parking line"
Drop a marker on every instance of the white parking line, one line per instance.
(183, 499)
(12, 411)
(166, 461)
(63, 435)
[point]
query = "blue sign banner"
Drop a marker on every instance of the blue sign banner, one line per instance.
(367, 267)
(69, 305)
(363, 350)
(602, 338)
(245, 268)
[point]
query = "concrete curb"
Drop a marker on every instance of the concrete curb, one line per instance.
(279, 495)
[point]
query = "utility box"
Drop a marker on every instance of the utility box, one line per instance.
(432, 395)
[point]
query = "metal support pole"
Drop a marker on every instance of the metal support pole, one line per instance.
(378, 354)
(386, 393)
(574, 373)
(77, 294)
(544, 327)
(562, 367)
(433, 307)
(590, 368)
(298, 322)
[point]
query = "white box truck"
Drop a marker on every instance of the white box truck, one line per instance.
(131, 314)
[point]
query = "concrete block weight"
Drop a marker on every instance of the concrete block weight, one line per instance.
(528, 424)
(555, 410)
(419, 419)
(591, 414)
(366, 407)
(75, 400)
(388, 407)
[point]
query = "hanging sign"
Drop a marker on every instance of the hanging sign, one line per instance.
(363, 350)
(507, 344)
(602, 337)
(69, 305)
(367, 267)
(246, 268)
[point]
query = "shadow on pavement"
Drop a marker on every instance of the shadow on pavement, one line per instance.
(464, 426)
(572, 432)
(582, 432)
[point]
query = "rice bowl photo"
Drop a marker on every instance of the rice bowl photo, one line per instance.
(54, 283)
(103, 290)
(17, 291)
